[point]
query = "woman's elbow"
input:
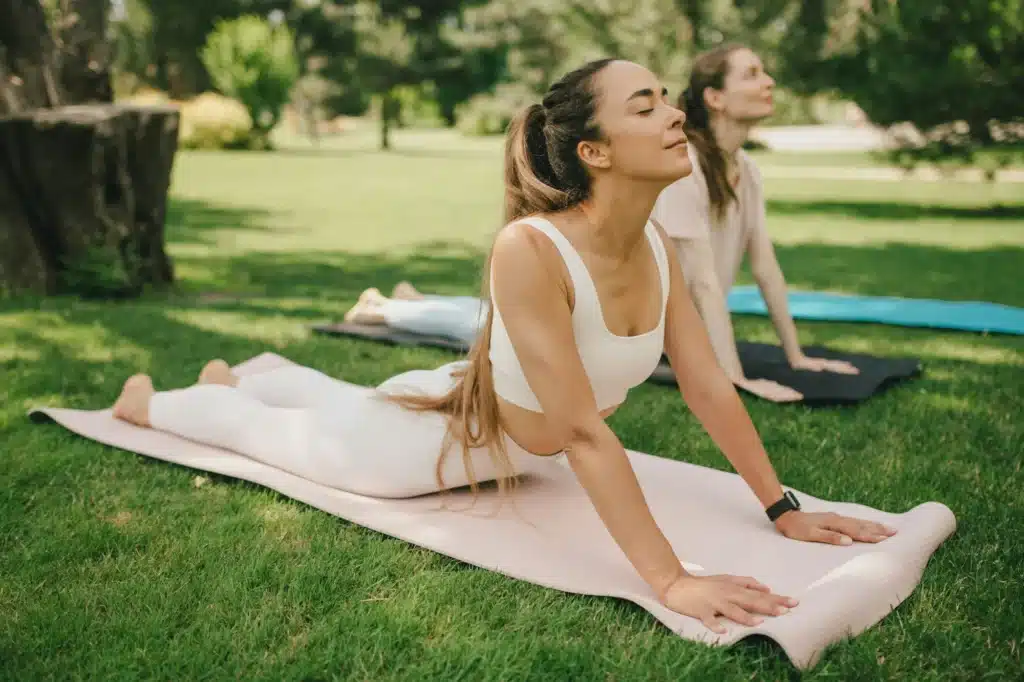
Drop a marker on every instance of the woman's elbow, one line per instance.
(585, 434)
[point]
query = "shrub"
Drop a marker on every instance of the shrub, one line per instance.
(253, 61)
(212, 121)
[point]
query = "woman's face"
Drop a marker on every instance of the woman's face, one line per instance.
(746, 94)
(642, 133)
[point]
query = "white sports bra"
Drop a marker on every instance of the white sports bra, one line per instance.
(614, 364)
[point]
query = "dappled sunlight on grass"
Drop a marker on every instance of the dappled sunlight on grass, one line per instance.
(275, 331)
(946, 402)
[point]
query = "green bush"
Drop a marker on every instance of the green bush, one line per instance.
(212, 121)
(490, 113)
(254, 62)
(418, 106)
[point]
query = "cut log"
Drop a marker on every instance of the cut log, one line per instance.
(88, 185)
(152, 142)
(23, 267)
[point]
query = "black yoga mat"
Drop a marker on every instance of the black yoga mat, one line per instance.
(759, 360)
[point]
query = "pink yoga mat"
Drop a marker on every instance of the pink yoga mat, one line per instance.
(553, 537)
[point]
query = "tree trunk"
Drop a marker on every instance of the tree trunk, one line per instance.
(83, 188)
(29, 74)
(389, 110)
(85, 52)
(83, 199)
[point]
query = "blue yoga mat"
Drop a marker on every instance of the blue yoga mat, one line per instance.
(976, 316)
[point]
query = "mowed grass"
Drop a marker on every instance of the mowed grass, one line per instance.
(114, 566)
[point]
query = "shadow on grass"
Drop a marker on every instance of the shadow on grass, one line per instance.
(436, 267)
(888, 210)
(906, 270)
(194, 222)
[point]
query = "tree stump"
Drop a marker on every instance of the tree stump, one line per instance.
(83, 198)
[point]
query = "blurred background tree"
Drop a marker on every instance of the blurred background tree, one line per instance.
(947, 75)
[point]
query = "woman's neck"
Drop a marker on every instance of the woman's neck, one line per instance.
(730, 134)
(618, 212)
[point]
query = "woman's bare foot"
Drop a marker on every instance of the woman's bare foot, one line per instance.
(217, 372)
(367, 308)
(406, 291)
(133, 403)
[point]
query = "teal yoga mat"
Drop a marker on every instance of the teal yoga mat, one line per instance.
(975, 316)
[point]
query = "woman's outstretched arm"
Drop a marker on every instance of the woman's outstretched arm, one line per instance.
(764, 266)
(533, 303)
(713, 400)
(708, 390)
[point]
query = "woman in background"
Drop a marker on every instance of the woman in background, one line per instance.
(716, 215)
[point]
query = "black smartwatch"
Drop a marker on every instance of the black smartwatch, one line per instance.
(787, 503)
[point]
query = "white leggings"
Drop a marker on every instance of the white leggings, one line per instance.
(457, 317)
(330, 432)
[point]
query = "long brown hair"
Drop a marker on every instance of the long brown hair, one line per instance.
(709, 71)
(543, 173)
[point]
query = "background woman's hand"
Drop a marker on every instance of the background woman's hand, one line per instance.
(770, 390)
(711, 598)
(823, 365)
(830, 528)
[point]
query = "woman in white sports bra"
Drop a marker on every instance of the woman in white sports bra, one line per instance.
(585, 299)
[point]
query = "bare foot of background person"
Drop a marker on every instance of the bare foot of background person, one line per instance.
(406, 291)
(367, 308)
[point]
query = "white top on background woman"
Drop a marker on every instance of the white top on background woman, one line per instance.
(716, 215)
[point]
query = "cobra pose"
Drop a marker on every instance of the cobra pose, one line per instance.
(716, 215)
(585, 296)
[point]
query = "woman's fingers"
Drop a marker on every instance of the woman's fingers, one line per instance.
(747, 581)
(831, 537)
(712, 622)
(767, 604)
(861, 531)
(737, 613)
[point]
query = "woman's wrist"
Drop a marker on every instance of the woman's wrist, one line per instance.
(663, 584)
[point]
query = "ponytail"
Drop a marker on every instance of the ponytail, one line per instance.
(709, 71)
(543, 173)
(530, 182)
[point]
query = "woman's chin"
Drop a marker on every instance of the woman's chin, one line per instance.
(683, 168)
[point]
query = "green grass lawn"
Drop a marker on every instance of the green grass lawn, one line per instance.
(114, 566)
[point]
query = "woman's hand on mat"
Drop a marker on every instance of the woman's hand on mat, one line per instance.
(770, 390)
(823, 365)
(711, 598)
(829, 528)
